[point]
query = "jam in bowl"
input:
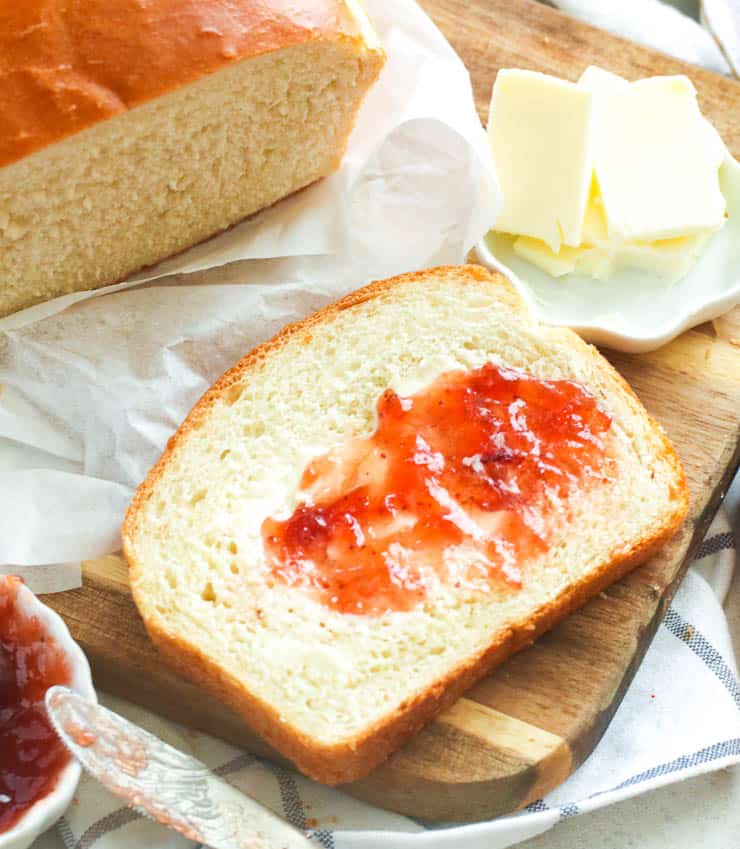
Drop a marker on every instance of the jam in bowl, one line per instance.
(37, 775)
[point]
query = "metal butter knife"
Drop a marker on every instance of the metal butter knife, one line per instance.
(171, 787)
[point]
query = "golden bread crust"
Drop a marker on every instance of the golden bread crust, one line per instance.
(68, 66)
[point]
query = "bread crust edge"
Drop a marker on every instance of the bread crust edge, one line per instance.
(354, 758)
(373, 59)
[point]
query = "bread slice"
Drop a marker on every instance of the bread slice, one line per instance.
(131, 131)
(337, 692)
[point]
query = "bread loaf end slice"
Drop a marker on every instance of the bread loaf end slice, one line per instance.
(226, 137)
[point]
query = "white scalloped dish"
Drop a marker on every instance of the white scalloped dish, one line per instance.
(633, 311)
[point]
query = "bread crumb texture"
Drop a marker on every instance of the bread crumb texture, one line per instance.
(152, 181)
(193, 532)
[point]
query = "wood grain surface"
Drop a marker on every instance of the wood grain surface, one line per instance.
(523, 729)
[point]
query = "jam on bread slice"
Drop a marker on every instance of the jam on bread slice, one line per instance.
(373, 509)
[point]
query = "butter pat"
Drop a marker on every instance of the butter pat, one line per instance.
(595, 226)
(539, 129)
(540, 254)
(599, 81)
(642, 152)
(656, 160)
(595, 255)
(669, 259)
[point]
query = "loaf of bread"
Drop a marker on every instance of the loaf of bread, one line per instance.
(130, 131)
(338, 688)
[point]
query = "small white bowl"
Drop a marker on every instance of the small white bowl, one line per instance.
(47, 810)
(633, 311)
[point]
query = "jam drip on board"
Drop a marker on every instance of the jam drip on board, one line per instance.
(31, 755)
(460, 485)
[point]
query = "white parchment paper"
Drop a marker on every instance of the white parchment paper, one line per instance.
(94, 383)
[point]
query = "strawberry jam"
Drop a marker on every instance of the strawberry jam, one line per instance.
(460, 485)
(31, 755)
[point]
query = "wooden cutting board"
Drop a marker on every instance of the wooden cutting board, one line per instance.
(526, 727)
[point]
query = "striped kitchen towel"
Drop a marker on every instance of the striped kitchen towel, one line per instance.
(679, 718)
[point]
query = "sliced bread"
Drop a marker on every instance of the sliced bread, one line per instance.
(130, 131)
(338, 692)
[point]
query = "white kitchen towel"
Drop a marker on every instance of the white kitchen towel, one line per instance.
(679, 718)
(654, 24)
